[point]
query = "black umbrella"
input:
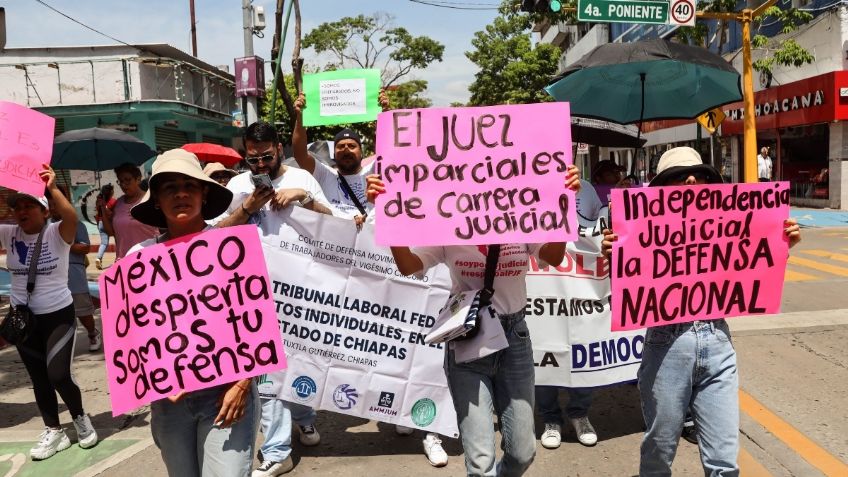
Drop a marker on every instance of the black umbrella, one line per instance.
(603, 133)
(646, 80)
(97, 149)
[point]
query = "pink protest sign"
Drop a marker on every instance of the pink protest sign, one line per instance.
(697, 252)
(472, 176)
(188, 314)
(26, 142)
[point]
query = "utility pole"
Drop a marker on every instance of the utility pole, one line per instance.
(250, 110)
(193, 29)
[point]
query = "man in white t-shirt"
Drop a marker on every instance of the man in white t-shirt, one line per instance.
(269, 207)
(344, 187)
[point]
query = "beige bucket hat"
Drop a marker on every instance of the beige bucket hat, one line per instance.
(182, 162)
(678, 160)
(214, 167)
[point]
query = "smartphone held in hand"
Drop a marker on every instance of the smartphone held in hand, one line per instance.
(262, 180)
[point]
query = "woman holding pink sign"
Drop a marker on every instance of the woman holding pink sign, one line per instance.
(37, 257)
(210, 432)
(690, 366)
(504, 380)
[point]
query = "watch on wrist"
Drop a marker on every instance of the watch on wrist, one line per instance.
(308, 199)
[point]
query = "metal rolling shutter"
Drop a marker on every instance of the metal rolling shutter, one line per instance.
(167, 139)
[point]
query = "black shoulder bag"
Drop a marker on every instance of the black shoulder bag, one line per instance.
(20, 321)
(484, 297)
(353, 197)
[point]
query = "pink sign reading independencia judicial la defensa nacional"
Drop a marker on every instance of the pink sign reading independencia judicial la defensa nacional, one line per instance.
(188, 314)
(697, 252)
(26, 143)
(473, 176)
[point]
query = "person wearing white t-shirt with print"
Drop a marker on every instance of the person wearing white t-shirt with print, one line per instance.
(269, 209)
(48, 352)
(502, 381)
(348, 157)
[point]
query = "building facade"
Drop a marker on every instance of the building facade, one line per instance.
(155, 92)
(800, 111)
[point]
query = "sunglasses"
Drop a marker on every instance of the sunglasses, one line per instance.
(683, 175)
(267, 158)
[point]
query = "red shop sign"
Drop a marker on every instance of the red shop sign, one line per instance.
(808, 101)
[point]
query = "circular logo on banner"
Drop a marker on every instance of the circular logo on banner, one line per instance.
(682, 11)
(304, 388)
(344, 397)
(424, 412)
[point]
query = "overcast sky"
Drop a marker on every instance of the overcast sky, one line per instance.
(219, 29)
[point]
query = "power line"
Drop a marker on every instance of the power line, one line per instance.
(82, 24)
(457, 5)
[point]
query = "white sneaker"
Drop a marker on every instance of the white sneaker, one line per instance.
(584, 430)
(49, 443)
(403, 430)
(552, 437)
(95, 341)
(270, 468)
(309, 435)
(434, 451)
(86, 435)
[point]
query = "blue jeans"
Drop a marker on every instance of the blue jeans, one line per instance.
(193, 446)
(547, 403)
(277, 417)
(690, 366)
(501, 382)
(104, 240)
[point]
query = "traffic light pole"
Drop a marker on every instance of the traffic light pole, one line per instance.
(749, 118)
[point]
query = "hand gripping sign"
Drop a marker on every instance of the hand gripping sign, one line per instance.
(188, 314)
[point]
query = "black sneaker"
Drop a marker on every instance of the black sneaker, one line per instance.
(690, 432)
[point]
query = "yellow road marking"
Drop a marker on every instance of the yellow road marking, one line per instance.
(751, 467)
(801, 444)
(824, 267)
(793, 276)
(824, 253)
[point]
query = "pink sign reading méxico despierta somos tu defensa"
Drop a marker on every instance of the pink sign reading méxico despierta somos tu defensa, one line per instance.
(188, 314)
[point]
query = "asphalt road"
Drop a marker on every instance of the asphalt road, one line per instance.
(794, 379)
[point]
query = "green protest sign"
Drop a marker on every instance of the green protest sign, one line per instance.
(342, 96)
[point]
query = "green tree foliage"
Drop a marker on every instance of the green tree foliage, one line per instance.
(373, 42)
(775, 51)
(511, 69)
(409, 95)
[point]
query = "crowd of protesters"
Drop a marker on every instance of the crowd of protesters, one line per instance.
(212, 432)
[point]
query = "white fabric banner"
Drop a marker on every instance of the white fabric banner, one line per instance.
(568, 313)
(354, 327)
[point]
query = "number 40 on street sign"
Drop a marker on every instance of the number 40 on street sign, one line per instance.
(668, 12)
